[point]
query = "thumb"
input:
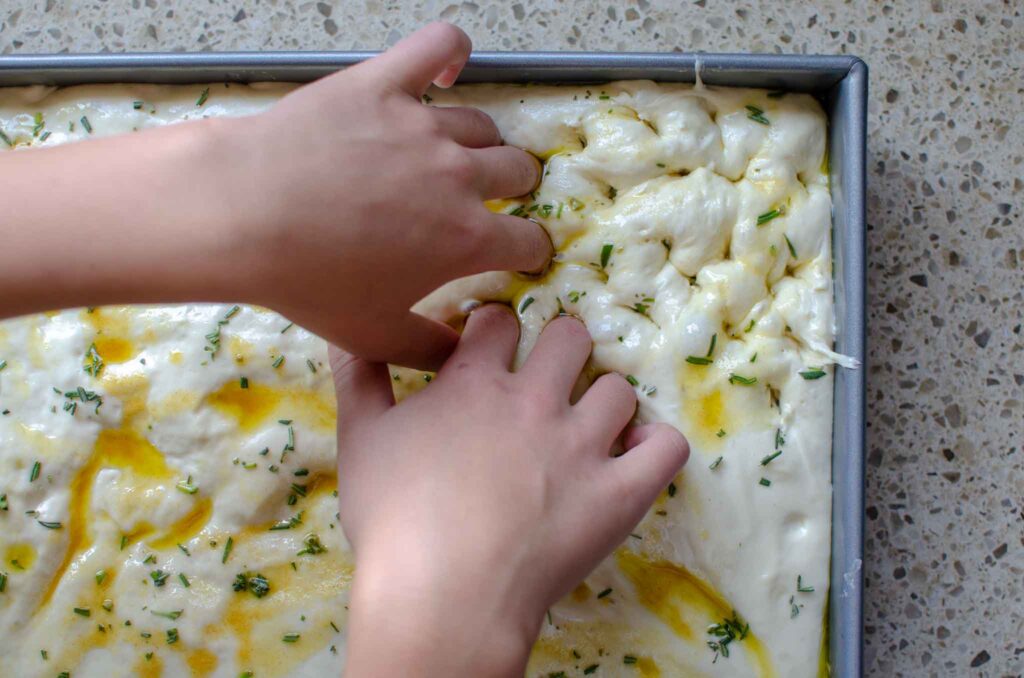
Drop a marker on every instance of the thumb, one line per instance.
(655, 453)
(435, 53)
(363, 388)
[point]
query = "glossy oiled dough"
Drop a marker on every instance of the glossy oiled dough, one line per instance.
(673, 179)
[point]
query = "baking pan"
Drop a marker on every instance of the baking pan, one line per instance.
(840, 82)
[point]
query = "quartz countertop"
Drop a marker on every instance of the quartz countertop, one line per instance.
(944, 551)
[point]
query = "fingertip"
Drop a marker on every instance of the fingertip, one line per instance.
(667, 438)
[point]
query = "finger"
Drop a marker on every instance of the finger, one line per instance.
(470, 127)
(505, 171)
(490, 338)
(655, 453)
(558, 356)
(507, 243)
(435, 53)
(411, 341)
(607, 407)
(363, 388)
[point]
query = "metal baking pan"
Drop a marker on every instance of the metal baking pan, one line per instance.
(840, 82)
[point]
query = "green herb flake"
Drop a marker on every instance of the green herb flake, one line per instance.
(671, 489)
(159, 578)
(86, 124)
(227, 550)
(721, 433)
(698, 360)
(203, 96)
(757, 115)
(34, 473)
(606, 254)
(172, 614)
(172, 636)
(789, 244)
(137, 105)
(313, 546)
(813, 373)
(725, 633)
(765, 482)
(6, 139)
(82, 611)
(525, 304)
(50, 525)
(763, 219)
(716, 463)
(767, 459)
(629, 659)
(187, 486)
(277, 362)
(741, 380)
(101, 575)
(310, 365)
(243, 382)
(3, 582)
(632, 380)
(184, 580)
(800, 585)
(590, 669)
(604, 594)
(291, 637)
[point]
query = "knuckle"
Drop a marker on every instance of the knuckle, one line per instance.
(458, 166)
(484, 123)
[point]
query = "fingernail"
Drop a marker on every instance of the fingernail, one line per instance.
(539, 273)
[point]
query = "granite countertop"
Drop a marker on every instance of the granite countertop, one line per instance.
(944, 562)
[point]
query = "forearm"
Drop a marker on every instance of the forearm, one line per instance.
(137, 218)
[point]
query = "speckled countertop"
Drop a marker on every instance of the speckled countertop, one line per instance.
(945, 494)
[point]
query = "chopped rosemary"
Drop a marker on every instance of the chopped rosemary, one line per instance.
(137, 105)
(101, 575)
(763, 219)
(628, 659)
(606, 254)
(765, 482)
(159, 578)
(253, 582)
(213, 338)
(3, 582)
(789, 244)
(187, 486)
(291, 637)
(3, 364)
(184, 580)
(50, 525)
(698, 360)
(227, 550)
(172, 614)
(632, 380)
(172, 636)
(288, 524)
(34, 473)
(767, 459)
(800, 585)
(671, 489)
(310, 365)
(6, 139)
(95, 363)
(744, 381)
(82, 611)
(725, 633)
(86, 124)
(604, 594)
(287, 327)
(203, 97)
(757, 115)
(243, 382)
(313, 546)
(716, 463)
(277, 362)
(721, 433)
(813, 373)
(525, 304)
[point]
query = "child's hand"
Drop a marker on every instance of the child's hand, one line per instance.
(474, 505)
(367, 200)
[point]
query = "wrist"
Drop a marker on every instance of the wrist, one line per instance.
(406, 622)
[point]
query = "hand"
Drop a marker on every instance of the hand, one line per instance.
(475, 504)
(367, 200)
